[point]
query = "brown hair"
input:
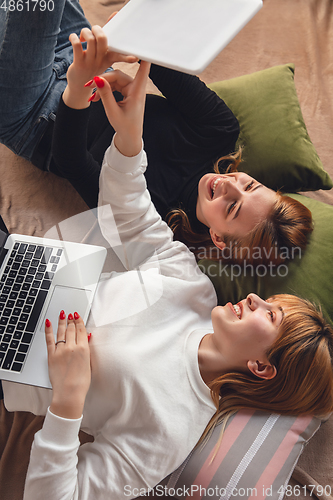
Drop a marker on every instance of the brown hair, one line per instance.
(302, 355)
(277, 238)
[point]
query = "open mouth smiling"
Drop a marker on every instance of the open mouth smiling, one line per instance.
(213, 185)
(237, 309)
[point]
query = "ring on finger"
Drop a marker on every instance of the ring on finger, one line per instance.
(58, 342)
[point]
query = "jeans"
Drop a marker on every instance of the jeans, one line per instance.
(34, 57)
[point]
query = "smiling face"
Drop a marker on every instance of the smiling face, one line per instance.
(244, 332)
(232, 204)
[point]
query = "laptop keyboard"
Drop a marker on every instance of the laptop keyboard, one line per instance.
(24, 286)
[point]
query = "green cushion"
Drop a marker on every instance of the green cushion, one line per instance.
(309, 275)
(277, 149)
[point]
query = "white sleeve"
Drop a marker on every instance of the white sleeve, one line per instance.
(59, 470)
(52, 471)
(126, 214)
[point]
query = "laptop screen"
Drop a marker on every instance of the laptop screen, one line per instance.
(3, 228)
(3, 238)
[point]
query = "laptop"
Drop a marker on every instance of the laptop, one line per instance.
(38, 278)
(184, 35)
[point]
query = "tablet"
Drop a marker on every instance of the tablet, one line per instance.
(185, 35)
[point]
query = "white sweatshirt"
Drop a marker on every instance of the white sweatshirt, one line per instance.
(147, 405)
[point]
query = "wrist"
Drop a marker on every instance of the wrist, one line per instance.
(126, 146)
(76, 98)
(70, 409)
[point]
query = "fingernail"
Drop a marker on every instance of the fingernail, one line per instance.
(89, 336)
(76, 315)
(62, 315)
(99, 82)
(70, 316)
(88, 83)
(47, 323)
(91, 97)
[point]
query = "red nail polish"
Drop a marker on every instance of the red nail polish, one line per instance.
(91, 97)
(99, 82)
(70, 316)
(88, 83)
(47, 323)
(62, 315)
(89, 336)
(76, 315)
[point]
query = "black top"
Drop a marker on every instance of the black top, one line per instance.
(184, 133)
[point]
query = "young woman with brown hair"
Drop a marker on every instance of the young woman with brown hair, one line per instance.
(273, 239)
(147, 372)
(184, 134)
(189, 136)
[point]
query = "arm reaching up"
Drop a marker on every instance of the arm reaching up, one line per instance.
(126, 116)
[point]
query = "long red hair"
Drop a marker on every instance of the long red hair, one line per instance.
(302, 355)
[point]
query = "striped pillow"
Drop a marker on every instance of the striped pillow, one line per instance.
(256, 458)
